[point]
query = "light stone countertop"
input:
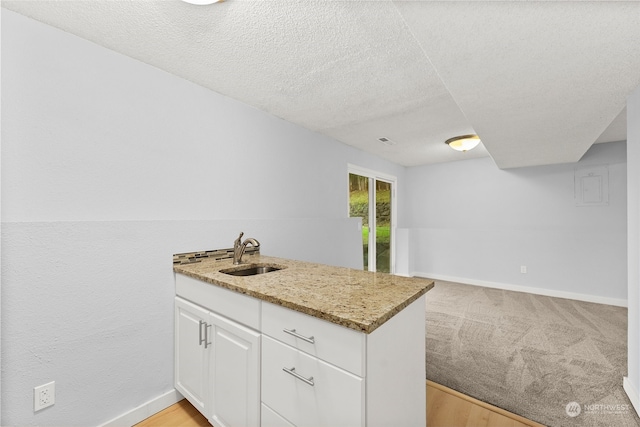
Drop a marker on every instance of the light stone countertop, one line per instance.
(357, 299)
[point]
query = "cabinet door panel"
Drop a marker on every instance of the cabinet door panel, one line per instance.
(269, 418)
(336, 398)
(191, 359)
(235, 374)
(332, 343)
(241, 308)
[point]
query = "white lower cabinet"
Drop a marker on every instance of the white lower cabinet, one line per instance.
(319, 374)
(234, 374)
(191, 358)
(269, 418)
(217, 366)
(244, 362)
(308, 391)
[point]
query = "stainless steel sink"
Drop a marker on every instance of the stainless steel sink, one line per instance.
(250, 270)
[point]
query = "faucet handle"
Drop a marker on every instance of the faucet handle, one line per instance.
(238, 241)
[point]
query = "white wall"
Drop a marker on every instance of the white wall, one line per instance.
(632, 381)
(0, 224)
(474, 223)
(110, 166)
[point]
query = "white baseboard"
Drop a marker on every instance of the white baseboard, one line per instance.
(403, 275)
(145, 410)
(631, 391)
(531, 290)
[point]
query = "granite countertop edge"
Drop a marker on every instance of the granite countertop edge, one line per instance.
(319, 304)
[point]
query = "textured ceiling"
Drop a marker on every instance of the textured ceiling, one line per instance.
(540, 82)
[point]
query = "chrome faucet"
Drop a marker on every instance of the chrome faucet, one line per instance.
(239, 247)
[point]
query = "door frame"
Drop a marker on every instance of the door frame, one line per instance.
(393, 180)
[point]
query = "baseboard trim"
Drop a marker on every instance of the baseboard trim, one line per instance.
(632, 393)
(145, 410)
(402, 274)
(531, 290)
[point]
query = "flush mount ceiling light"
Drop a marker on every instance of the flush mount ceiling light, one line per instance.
(202, 2)
(463, 143)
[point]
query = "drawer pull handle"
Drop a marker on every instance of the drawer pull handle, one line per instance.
(297, 335)
(206, 335)
(204, 340)
(293, 372)
(200, 339)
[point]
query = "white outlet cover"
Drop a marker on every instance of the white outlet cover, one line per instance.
(44, 396)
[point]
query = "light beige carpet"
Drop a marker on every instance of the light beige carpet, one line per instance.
(531, 355)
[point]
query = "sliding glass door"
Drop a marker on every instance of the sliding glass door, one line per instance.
(371, 197)
(382, 226)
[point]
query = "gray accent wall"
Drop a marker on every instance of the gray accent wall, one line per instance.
(472, 222)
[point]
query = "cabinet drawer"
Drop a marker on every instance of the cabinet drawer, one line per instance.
(272, 419)
(335, 398)
(241, 308)
(333, 343)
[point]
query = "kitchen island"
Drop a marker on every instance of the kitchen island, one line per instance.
(304, 345)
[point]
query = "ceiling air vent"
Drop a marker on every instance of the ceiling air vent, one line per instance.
(386, 141)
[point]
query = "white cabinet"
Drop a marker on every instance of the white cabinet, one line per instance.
(319, 374)
(234, 374)
(333, 343)
(217, 365)
(308, 391)
(269, 418)
(312, 370)
(191, 359)
(246, 362)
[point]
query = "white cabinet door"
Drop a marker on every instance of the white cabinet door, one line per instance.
(308, 391)
(269, 418)
(332, 343)
(191, 358)
(234, 374)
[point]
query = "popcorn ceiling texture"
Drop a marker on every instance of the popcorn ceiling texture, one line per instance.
(538, 81)
(357, 299)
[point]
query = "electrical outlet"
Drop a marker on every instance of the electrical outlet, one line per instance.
(523, 269)
(44, 396)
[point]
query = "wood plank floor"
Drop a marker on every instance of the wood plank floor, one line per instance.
(445, 408)
(181, 414)
(449, 408)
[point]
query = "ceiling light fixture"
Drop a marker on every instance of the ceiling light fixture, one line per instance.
(202, 2)
(463, 143)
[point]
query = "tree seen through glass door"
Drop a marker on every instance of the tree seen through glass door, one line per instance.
(383, 226)
(376, 221)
